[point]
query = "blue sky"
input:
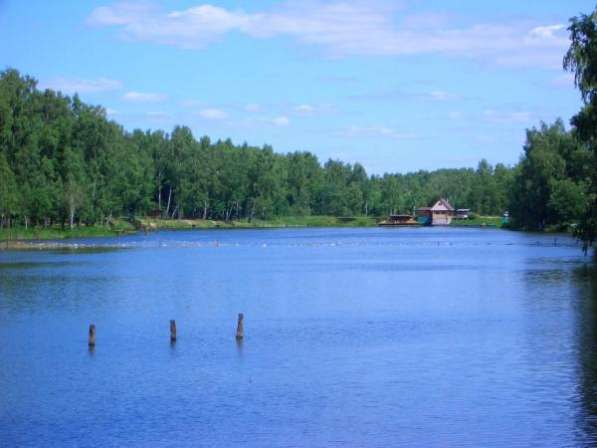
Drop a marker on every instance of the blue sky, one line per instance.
(397, 86)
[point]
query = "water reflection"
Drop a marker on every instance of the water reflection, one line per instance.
(239, 347)
(8, 265)
(88, 249)
(360, 337)
(586, 277)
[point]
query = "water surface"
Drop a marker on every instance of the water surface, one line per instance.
(354, 337)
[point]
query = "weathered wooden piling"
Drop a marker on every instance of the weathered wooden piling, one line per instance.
(91, 335)
(172, 330)
(240, 327)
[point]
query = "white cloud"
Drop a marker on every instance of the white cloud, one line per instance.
(281, 121)
(507, 117)
(70, 86)
(546, 32)
(144, 97)
(455, 115)
(341, 29)
(440, 95)
(252, 107)
(121, 13)
(304, 109)
(213, 114)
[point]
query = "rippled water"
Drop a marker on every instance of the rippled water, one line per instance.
(353, 337)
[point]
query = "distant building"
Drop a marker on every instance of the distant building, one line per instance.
(462, 213)
(423, 215)
(506, 218)
(400, 220)
(440, 214)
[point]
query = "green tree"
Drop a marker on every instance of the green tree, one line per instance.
(66, 163)
(8, 193)
(581, 59)
(566, 201)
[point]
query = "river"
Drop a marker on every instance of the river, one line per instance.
(353, 337)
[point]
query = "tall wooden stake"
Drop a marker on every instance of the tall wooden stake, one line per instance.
(240, 327)
(91, 335)
(172, 330)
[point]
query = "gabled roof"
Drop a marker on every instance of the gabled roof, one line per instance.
(442, 204)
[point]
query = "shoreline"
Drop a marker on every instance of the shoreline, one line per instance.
(56, 238)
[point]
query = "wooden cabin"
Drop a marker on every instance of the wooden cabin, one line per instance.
(440, 214)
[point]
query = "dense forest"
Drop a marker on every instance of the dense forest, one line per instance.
(63, 162)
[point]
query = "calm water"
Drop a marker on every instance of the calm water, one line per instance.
(354, 337)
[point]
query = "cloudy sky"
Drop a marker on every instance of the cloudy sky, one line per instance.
(396, 85)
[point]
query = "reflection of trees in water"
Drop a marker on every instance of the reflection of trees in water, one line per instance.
(34, 286)
(587, 349)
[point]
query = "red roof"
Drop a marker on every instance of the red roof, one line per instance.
(443, 202)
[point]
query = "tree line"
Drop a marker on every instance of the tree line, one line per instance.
(64, 162)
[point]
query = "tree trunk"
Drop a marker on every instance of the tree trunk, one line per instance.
(169, 199)
(205, 209)
(160, 198)
(71, 211)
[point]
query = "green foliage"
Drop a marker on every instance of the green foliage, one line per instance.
(114, 228)
(581, 59)
(9, 198)
(549, 187)
(478, 221)
(63, 163)
(566, 202)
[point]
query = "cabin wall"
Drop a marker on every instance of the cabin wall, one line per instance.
(441, 219)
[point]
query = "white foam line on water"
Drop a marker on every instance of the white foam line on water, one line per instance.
(146, 244)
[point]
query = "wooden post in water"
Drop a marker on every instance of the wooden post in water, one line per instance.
(240, 327)
(91, 335)
(172, 330)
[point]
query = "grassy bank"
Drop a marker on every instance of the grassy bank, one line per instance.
(478, 221)
(18, 237)
(285, 221)
(118, 227)
(15, 237)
